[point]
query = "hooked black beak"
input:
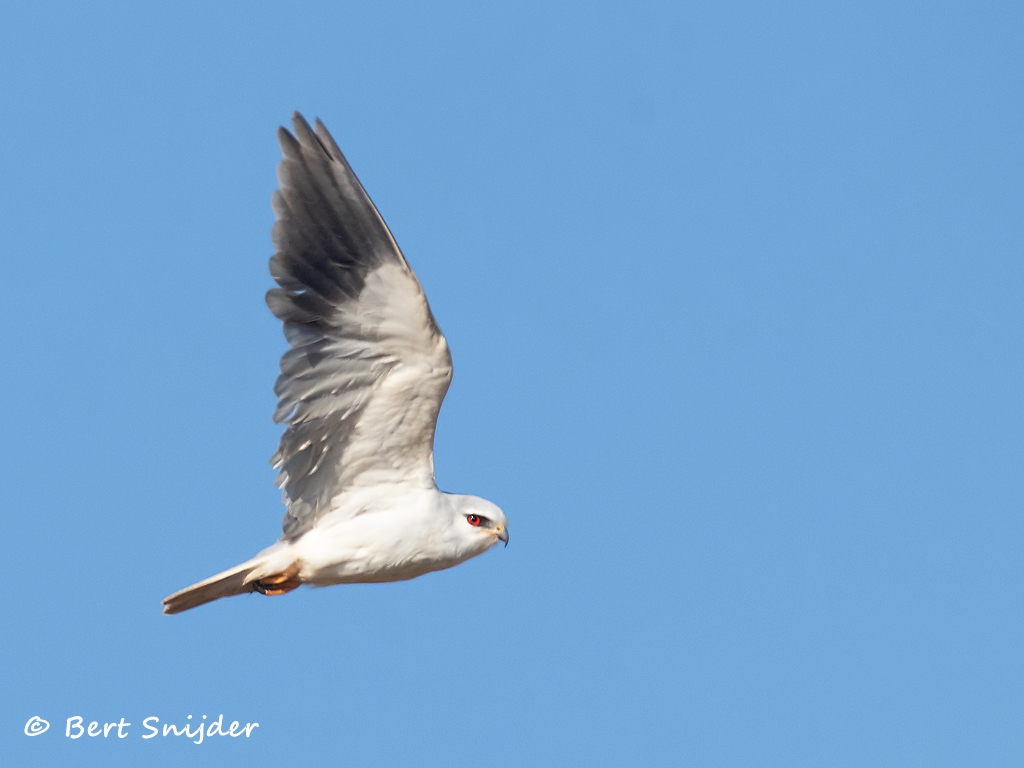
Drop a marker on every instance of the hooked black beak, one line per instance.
(503, 534)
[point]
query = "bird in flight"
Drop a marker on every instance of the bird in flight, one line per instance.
(360, 389)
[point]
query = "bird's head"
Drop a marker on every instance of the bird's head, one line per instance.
(478, 523)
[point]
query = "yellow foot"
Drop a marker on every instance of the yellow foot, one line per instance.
(279, 583)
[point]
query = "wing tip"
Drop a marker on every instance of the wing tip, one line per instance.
(302, 136)
(289, 144)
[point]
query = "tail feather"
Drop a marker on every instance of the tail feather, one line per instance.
(233, 581)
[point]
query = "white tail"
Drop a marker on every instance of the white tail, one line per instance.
(231, 582)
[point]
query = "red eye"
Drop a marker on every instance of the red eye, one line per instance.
(474, 519)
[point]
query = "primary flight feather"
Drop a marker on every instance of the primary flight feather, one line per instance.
(360, 389)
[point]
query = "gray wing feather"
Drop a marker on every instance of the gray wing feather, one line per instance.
(329, 238)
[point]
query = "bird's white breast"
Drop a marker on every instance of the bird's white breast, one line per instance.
(396, 533)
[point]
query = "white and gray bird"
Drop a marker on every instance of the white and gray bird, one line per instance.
(360, 389)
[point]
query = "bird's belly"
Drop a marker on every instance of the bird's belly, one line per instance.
(360, 552)
(364, 572)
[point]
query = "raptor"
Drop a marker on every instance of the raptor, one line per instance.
(360, 389)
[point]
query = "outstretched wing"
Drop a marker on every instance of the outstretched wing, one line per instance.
(367, 369)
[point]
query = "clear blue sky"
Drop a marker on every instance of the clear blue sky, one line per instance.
(734, 292)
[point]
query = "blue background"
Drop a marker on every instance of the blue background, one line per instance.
(734, 296)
